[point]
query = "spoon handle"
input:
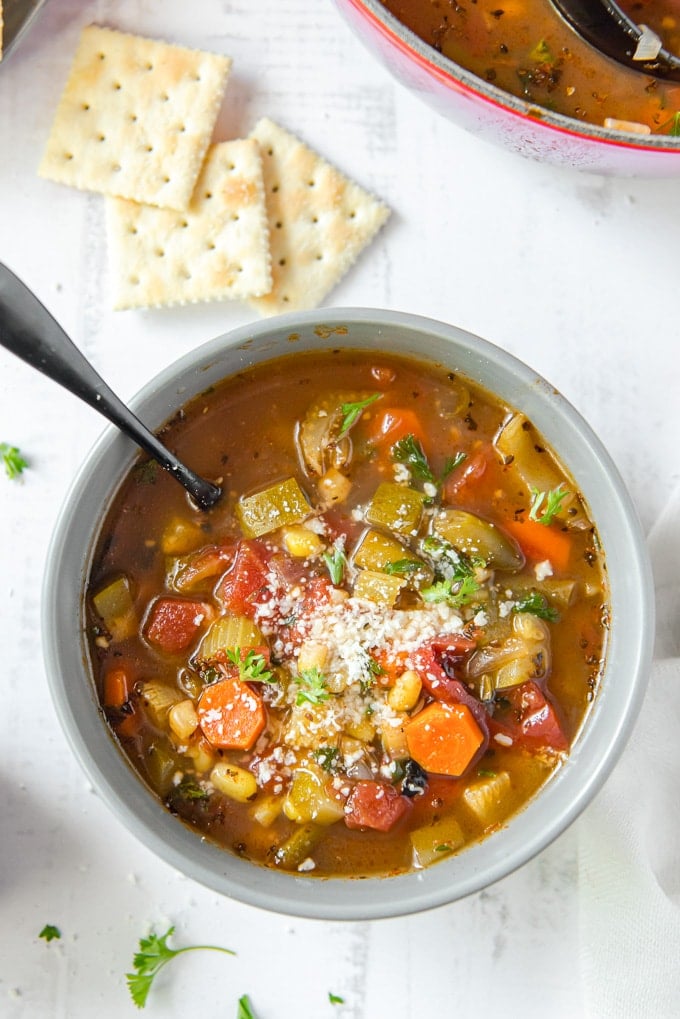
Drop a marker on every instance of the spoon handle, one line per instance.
(28, 330)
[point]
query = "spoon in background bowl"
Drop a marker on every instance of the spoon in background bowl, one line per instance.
(607, 27)
(28, 330)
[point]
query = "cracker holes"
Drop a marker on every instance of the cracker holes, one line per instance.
(117, 86)
(319, 258)
(85, 107)
(184, 273)
(282, 261)
(133, 118)
(148, 148)
(184, 224)
(352, 215)
(210, 246)
(285, 299)
(134, 280)
(275, 188)
(101, 137)
(231, 166)
(68, 155)
(208, 194)
(279, 225)
(159, 253)
(181, 129)
(311, 183)
(132, 230)
(102, 56)
(315, 219)
(270, 152)
(148, 67)
(166, 180)
(235, 217)
(165, 98)
(115, 167)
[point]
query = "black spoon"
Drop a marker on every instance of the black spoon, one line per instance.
(609, 29)
(30, 332)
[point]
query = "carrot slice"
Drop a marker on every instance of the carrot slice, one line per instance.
(394, 423)
(231, 714)
(444, 738)
(541, 541)
(117, 686)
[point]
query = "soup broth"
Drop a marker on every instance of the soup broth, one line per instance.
(381, 642)
(526, 49)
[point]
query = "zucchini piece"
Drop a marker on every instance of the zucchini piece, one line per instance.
(479, 538)
(487, 798)
(384, 553)
(274, 507)
(298, 846)
(307, 800)
(381, 588)
(520, 444)
(181, 536)
(161, 764)
(560, 592)
(396, 507)
(116, 608)
(435, 841)
(226, 634)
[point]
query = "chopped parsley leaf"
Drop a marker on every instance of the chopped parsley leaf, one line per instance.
(453, 592)
(352, 412)
(410, 452)
(311, 687)
(335, 999)
(553, 503)
(245, 1010)
(335, 561)
(50, 932)
(537, 605)
(252, 668)
(400, 566)
(326, 758)
(13, 460)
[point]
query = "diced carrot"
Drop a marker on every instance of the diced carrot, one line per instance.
(117, 687)
(231, 714)
(395, 423)
(542, 541)
(444, 738)
(374, 805)
(174, 622)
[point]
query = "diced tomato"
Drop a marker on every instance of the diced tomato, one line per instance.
(174, 622)
(395, 423)
(375, 805)
(468, 474)
(244, 585)
(529, 719)
(440, 793)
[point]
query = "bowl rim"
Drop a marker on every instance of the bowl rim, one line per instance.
(448, 70)
(567, 792)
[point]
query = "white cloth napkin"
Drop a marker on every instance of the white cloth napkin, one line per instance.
(629, 838)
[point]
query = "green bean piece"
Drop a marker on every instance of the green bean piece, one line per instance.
(396, 507)
(298, 846)
(281, 504)
(479, 539)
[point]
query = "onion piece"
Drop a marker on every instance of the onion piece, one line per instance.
(648, 45)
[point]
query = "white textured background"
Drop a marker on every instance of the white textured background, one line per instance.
(576, 274)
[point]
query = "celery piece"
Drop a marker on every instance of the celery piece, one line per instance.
(559, 592)
(226, 634)
(435, 841)
(266, 809)
(396, 507)
(487, 798)
(520, 445)
(380, 552)
(298, 846)
(158, 698)
(374, 586)
(478, 538)
(307, 800)
(115, 606)
(274, 507)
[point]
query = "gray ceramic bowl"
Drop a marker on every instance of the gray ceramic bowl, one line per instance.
(571, 787)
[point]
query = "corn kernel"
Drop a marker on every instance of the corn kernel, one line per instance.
(333, 486)
(302, 542)
(313, 655)
(406, 690)
(236, 783)
(183, 719)
(363, 730)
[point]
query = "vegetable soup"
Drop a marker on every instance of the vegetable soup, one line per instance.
(381, 642)
(528, 50)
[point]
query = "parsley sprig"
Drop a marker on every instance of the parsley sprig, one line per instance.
(547, 504)
(152, 956)
(351, 412)
(409, 451)
(252, 668)
(311, 687)
(456, 572)
(13, 460)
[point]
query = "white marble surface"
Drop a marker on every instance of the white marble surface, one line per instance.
(575, 274)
